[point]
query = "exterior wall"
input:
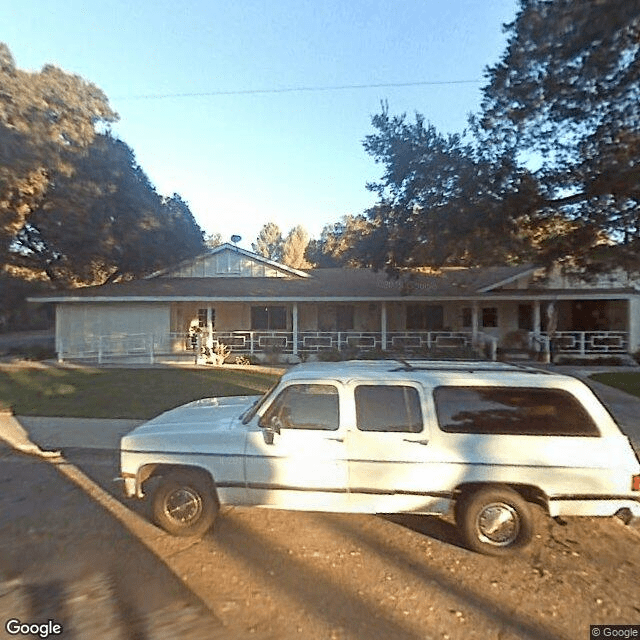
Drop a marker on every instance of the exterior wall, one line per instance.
(227, 263)
(307, 317)
(77, 324)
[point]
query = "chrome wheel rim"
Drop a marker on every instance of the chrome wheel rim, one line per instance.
(498, 524)
(183, 505)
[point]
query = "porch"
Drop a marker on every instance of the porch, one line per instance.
(302, 345)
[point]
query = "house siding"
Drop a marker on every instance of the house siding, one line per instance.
(77, 323)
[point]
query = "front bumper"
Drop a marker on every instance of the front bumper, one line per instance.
(130, 486)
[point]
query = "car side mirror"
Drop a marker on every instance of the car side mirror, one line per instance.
(270, 427)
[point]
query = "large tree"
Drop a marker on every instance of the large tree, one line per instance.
(269, 242)
(442, 200)
(105, 221)
(566, 96)
(343, 243)
(550, 166)
(294, 247)
(47, 118)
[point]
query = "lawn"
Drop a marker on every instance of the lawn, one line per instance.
(625, 381)
(85, 392)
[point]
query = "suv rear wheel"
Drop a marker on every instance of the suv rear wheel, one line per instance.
(184, 504)
(494, 521)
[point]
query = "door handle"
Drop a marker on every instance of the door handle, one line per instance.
(335, 439)
(423, 442)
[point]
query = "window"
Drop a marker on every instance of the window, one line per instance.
(512, 411)
(490, 317)
(388, 408)
(202, 318)
(467, 317)
(344, 317)
(424, 317)
(305, 406)
(525, 317)
(269, 318)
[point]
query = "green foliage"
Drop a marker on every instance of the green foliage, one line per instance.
(294, 247)
(342, 243)
(15, 314)
(442, 202)
(74, 203)
(566, 92)
(47, 118)
(550, 167)
(269, 242)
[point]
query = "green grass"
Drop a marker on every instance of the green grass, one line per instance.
(74, 392)
(628, 382)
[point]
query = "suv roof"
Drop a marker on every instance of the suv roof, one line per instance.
(435, 371)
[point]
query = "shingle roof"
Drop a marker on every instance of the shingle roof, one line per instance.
(326, 284)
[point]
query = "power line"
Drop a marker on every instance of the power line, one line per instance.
(343, 87)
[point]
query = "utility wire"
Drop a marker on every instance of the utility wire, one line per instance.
(344, 87)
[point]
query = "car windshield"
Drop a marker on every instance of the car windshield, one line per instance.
(247, 416)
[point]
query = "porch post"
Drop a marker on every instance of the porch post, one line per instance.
(294, 322)
(209, 340)
(383, 325)
(536, 324)
(475, 322)
(633, 333)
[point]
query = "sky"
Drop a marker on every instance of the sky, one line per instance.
(202, 88)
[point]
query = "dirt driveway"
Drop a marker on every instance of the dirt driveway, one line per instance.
(284, 575)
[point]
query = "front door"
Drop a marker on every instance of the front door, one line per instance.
(304, 465)
(391, 458)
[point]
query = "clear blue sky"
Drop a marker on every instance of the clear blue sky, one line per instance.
(242, 160)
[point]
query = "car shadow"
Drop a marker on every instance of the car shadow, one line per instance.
(430, 526)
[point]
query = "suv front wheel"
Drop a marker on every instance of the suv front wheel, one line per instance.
(494, 520)
(184, 504)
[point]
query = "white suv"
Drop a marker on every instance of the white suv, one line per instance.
(482, 439)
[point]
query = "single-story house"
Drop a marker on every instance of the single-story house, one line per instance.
(260, 307)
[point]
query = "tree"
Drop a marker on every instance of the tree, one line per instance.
(269, 242)
(549, 169)
(565, 93)
(105, 221)
(442, 201)
(47, 118)
(213, 240)
(294, 247)
(342, 243)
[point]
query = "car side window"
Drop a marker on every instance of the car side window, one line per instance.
(512, 411)
(393, 408)
(305, 406)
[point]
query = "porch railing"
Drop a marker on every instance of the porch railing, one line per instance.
(581, 342)
(149, 347)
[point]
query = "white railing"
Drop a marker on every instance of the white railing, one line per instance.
(149, 347)
(581, 342)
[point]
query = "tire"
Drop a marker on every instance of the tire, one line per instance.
(495, 521)
(184, 504)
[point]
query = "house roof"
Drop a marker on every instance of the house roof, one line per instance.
(318, 284)
(224, 248)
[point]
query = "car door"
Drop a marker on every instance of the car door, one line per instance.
(303, 466)
(391, 457)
